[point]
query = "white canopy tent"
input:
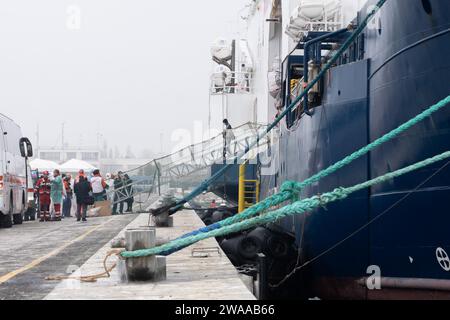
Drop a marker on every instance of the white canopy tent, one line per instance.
(73, 166)
(43, 165)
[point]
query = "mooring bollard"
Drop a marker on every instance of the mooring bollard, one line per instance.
(142, 269)
(164, 220)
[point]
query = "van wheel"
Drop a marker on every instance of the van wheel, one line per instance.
(17, 218)
(6, 221)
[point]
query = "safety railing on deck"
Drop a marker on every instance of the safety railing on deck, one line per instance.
(231, 83)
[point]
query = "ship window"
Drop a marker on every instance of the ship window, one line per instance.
(296, 89)
(427, 6)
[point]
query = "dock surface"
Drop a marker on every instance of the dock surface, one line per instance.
(188, 277)
(34, 250)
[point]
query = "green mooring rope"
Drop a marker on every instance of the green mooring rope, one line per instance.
(298, 187)
(297, 208)
(290, 189)
(311, 84)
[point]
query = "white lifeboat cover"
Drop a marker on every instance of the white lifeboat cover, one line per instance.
(312, 9)
(221, 49)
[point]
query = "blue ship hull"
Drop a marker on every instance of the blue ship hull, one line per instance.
(405, 67)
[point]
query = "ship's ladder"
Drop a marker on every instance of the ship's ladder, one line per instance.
(249, 190)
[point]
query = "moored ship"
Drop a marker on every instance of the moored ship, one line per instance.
(395, 234)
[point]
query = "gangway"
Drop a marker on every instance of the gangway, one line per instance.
(151, 179)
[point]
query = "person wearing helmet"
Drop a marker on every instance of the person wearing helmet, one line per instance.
(43, 190)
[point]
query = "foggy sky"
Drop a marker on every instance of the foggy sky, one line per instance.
(134, 70)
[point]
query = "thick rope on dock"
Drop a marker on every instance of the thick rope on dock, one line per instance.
(92, 278)
(297, 208)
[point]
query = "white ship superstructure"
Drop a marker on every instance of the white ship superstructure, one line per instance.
(246, 88)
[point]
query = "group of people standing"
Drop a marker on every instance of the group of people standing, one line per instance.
(50, 191)
(123, 193)
(56, 195)
(82, 190)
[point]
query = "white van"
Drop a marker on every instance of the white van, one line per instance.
(14, 153)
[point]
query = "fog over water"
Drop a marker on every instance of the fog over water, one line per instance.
(128, 72)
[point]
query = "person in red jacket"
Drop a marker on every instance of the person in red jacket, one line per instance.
(43, 189)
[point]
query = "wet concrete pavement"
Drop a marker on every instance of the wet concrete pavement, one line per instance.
(34, 250)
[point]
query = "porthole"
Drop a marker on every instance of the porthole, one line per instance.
(427, 6)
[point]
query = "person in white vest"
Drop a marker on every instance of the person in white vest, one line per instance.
(99, 186)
